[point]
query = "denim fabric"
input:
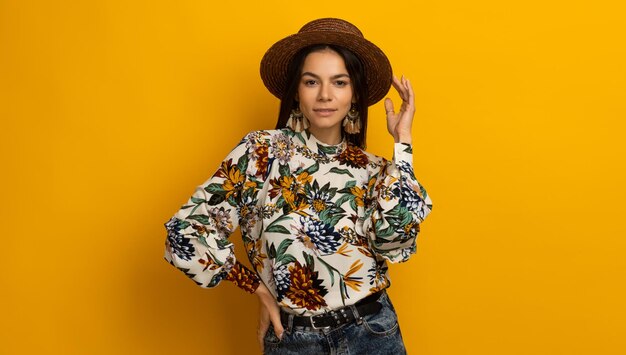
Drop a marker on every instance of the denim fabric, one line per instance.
(374, 334)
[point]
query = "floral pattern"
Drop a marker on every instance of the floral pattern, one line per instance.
(319, 222)
(177, 244)
(306, 289)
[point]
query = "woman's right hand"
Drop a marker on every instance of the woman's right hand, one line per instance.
(269, 312)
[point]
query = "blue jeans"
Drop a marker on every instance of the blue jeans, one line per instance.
(374, 334)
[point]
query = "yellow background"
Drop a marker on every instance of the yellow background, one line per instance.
(113, 111)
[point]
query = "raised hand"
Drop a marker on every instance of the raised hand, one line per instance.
(399, 123)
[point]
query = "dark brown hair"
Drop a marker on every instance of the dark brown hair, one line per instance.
(357, 79)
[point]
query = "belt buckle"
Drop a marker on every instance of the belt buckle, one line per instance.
(312, 320)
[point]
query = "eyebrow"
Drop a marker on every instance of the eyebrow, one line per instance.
(332, 77)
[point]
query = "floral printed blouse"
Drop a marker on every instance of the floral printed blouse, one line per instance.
(318, 221)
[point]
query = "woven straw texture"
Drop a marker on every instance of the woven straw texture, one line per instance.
(328, 31)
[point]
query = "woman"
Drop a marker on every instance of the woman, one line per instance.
(319, 216)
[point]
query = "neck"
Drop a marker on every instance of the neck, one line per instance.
(327, 136)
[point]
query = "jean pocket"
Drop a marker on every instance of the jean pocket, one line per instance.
(270, 337)
(383, 323)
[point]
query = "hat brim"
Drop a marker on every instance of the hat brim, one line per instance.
(378, 73)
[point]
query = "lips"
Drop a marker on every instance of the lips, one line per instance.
(324, 112)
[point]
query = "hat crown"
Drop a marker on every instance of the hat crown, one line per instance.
(332, 25)
(330, 31)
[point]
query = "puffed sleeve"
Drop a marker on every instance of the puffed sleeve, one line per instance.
(399, 205)
(197, 235)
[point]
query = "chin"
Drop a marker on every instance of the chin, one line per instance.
(326, 122)
(326, 125)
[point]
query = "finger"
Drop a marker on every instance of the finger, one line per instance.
(405, 85)
(260, 334)
(264, 324)
(278, 325)
(389, 106)
(410, 92)
(261, 340)
(398, 84)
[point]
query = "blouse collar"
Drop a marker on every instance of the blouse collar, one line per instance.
(317, 146)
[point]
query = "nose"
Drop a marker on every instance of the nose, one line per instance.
(324, 92)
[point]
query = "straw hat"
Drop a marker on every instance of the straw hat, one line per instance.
(328, 31)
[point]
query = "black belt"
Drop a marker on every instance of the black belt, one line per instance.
(337, 317)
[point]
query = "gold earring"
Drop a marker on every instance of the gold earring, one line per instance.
(352, 121)
(297, 122)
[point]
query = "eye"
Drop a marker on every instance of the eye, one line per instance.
(341, 83)
(310, 82)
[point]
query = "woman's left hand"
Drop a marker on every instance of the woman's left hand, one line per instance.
(399, 123)
(269, 315)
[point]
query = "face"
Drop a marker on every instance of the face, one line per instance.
(325, 94)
